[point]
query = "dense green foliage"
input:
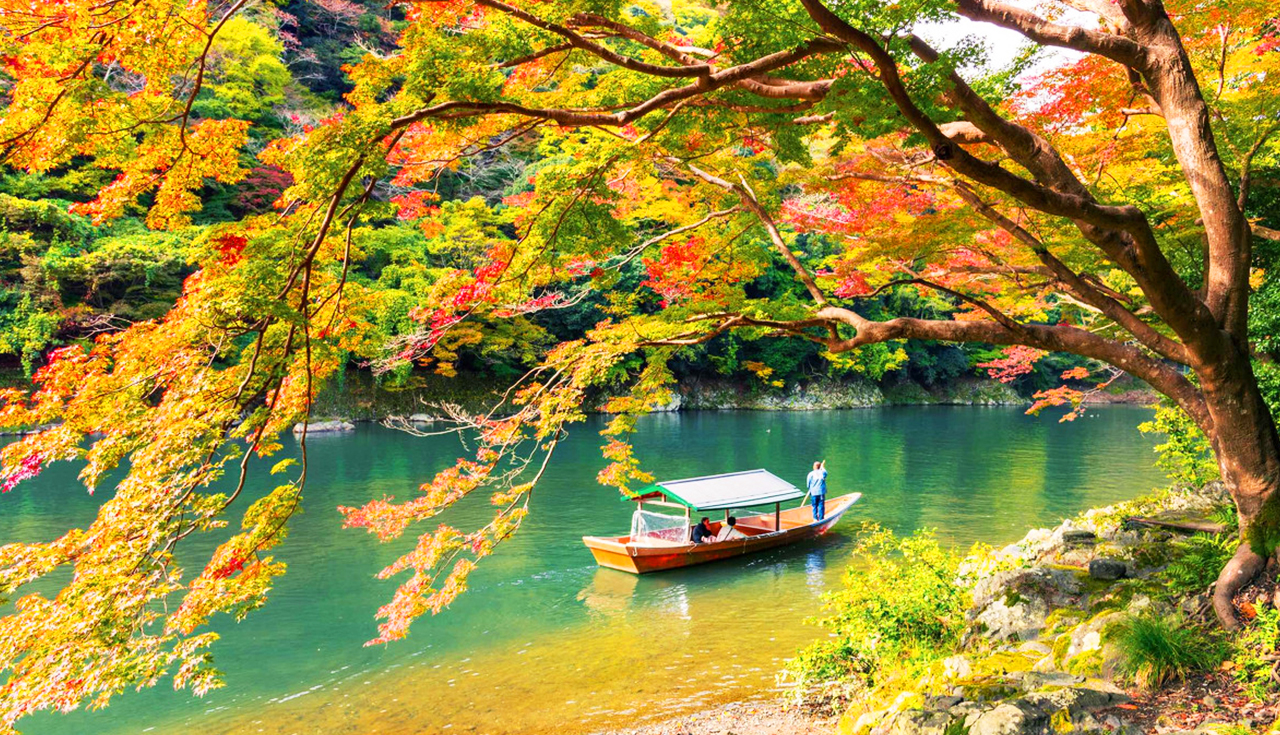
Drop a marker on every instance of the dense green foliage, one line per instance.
(899, 610)
(1258, 655)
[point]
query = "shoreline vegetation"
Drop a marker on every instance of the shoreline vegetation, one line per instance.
(1103, 624)
(356, 398)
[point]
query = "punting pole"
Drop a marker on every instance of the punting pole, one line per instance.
(777, 516)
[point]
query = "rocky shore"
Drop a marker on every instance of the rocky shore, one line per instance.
(357, 399)
(1040, 654)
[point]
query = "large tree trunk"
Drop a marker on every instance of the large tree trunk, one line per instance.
(1245, 442)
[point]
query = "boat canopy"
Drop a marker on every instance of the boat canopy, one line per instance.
(730, 490)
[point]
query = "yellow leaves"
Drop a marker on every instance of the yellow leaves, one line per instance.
(283, 465)
(624, 467)
(237, 577)
(140, 124)
(174, 163)
(759, 369)
(511, 495)
(1257, 276)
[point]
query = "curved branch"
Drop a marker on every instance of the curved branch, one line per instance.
(1054, 338)
(1117, 48)
(568, 117)
(579, 41)
(749, 201)
(1122, 232)
(1112, 309)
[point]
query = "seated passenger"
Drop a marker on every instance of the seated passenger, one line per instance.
(729, 530)
(702, 532)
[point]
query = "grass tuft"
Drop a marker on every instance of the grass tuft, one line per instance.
(1157, 650)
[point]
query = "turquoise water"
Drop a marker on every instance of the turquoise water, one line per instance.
(546, 642)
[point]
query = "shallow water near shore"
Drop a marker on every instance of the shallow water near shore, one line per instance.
(546, 642)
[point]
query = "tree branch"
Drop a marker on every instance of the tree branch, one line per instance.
(749, 200)
(1143, 332)
(1117, 48)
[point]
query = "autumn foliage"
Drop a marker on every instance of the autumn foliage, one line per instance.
(1093, 204)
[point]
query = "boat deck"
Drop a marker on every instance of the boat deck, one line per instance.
(761, 531)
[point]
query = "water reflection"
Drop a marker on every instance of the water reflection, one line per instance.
(546, 642)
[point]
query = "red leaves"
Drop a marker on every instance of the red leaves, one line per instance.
(232, 565)
(231, 248)
(675, 272)
(28, 468)
(416, 205)
(1018, 360)
(1270, 38)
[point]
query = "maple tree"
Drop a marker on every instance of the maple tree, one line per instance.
(1098, 209)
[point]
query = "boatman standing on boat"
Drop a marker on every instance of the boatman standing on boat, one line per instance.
(817, 482)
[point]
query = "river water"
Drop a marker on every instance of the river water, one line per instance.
(546, 642)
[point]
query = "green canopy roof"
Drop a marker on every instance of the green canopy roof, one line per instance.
(730, 490)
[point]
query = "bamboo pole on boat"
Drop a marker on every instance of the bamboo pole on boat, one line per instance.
(777, 516)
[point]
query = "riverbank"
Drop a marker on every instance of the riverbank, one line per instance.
(358, 398)
(750, 717)
(1102, 624)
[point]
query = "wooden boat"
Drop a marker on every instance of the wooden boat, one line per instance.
(672, 549)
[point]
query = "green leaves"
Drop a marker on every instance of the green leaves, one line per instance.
(900, 610)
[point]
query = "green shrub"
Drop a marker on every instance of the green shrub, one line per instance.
(1157, 650)
(899, 610)
(1257, 652)
(1197, 562)
(1185, 456)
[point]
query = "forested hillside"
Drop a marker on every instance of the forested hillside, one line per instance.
(286, 69)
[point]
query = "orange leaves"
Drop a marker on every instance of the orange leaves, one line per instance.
(175, 165)
(445, 548)
(623, 468)
(140, 123)
(1076, 373)
(237, 577)
(388, 520)
(1060, 396)
(1018, 360)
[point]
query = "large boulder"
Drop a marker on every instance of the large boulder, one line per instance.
(1010, 718)
(1108, 570)
(919, 722)
(1058, 709)
(1014, 604)
(325, 427)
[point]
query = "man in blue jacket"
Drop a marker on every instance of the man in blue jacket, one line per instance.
(817, 482)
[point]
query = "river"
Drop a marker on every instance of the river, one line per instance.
(546, 642)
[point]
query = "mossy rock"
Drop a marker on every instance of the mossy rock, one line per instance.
(1063, 618)
(1060, 721)
(1088, 663)
(989, 691)
(1004, 662)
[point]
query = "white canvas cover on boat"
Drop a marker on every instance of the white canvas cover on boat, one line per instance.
(730, 490)
(653, 529)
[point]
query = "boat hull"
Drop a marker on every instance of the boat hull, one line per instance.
(797, 524)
